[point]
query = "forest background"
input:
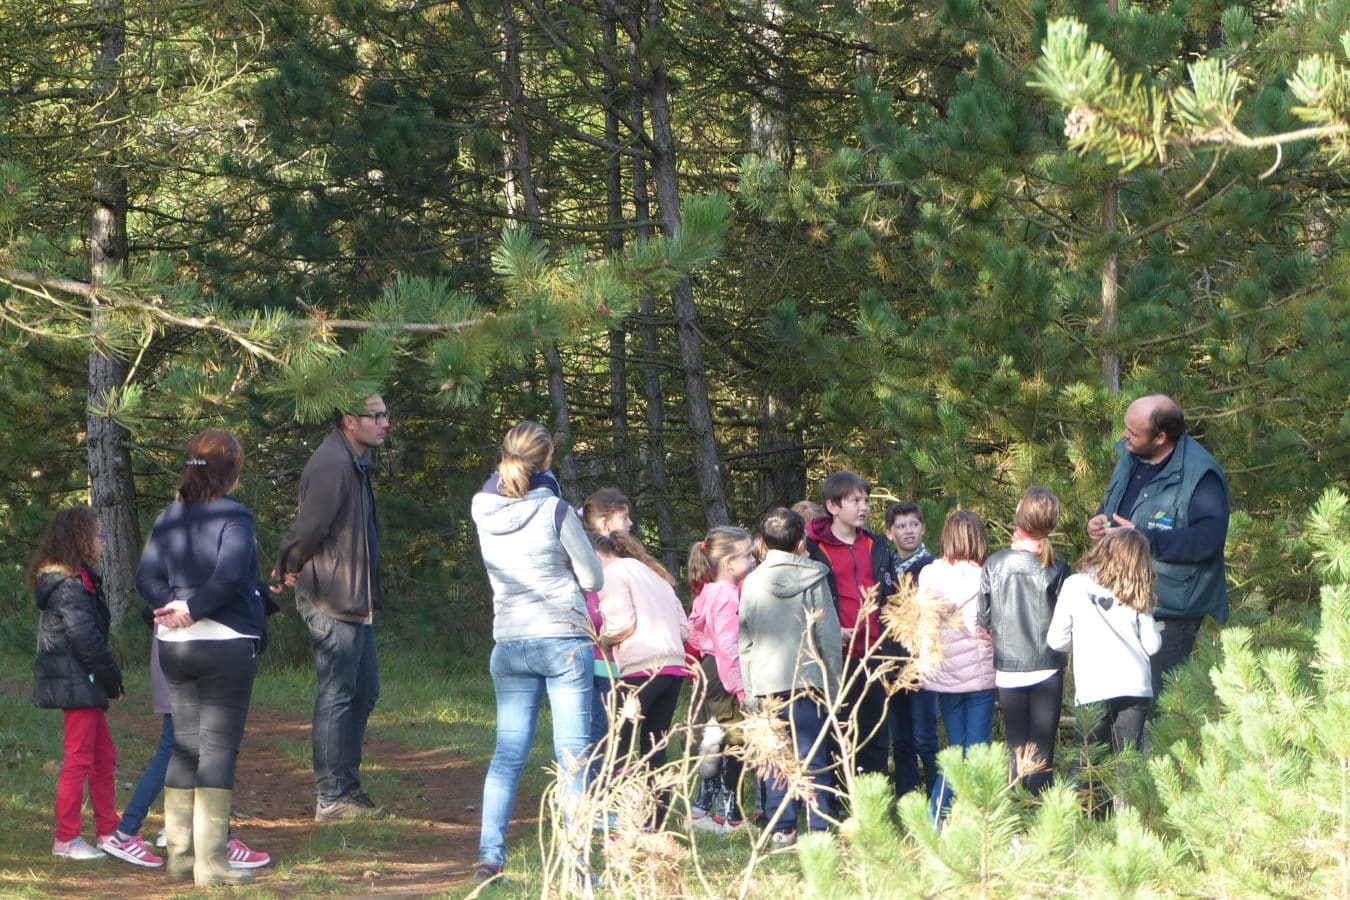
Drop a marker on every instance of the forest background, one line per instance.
(721, 249)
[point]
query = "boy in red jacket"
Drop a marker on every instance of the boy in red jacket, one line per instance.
(858, 560)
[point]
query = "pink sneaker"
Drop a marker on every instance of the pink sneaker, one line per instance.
(130, 849)
(241, 857)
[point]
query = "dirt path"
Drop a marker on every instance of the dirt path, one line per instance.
(274, 812)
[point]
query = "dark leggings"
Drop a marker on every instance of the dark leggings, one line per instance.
(210, 685)
(657, 698)
(1030, 726)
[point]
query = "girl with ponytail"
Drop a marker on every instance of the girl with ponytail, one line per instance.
(717, 565)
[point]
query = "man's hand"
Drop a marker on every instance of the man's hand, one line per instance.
(1097, 526)
(280, 583)
(1121, 522)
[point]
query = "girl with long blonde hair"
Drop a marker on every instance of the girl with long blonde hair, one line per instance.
(1105, 617)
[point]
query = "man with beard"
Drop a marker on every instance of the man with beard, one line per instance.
(1168, 487)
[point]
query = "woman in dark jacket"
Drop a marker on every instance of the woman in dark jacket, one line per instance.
(199, 574)
(75, 672)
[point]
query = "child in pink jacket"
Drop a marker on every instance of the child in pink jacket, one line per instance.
(645, 627)
(964, 682)
(717, 565)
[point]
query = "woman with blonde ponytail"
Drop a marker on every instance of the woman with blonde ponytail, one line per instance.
(538, 561)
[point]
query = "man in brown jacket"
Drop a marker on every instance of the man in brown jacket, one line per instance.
(331, 557)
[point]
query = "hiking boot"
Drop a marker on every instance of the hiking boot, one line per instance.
(346, 809)
(241, 857)
(76, 848)
(361, 799)
(130, 849)
(782, 840)
(485, 872)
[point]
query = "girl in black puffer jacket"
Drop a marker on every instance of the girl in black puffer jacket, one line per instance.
(75, 672)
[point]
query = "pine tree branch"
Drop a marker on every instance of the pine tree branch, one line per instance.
(42, 286)
(1179, 217)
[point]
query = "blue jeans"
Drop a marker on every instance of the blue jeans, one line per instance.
(599, 725)
(969, 720)
(806, 719)
(521, 672)
(151, 783)
(348, 675)
(923, 706)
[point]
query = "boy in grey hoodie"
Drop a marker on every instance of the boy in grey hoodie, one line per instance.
(792, 650)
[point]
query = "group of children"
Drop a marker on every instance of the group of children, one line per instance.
(790, 620)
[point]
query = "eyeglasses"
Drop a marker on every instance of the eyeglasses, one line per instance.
(377, 416)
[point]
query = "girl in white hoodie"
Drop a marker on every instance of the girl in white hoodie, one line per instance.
(1105, 614)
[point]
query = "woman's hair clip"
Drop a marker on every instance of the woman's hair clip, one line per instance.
(196, 462)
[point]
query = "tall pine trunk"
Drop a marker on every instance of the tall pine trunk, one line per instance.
(782, 466)
(618, 337)
(706, 461)
(1110, 280)
(521, 189)
(655, 457)
(112, 490)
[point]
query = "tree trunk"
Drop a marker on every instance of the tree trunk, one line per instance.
(521, 188)
(711, 493)
(618, 337)
(1110, 277)
(782, 467)
(112, 489)
(655, 457)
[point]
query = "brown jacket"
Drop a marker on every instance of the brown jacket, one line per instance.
(328, 545)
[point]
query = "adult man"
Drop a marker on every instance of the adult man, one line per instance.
(331, 556)
(1171, 489)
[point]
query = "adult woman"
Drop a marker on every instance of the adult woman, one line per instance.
(538, 561)
(199, 574)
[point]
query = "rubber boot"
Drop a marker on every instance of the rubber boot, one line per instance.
(211, 835)
(178, 804)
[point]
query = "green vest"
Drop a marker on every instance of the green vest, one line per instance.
(1185, 590)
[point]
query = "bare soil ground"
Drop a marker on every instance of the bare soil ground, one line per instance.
(429, 848)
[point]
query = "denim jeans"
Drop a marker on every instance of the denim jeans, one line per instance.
(151, 783)
(969, 720)
(348, 675)
(923, 711)
(210, 686)
(865, 702)
(806, 719)
(599, 725)
(521, 672)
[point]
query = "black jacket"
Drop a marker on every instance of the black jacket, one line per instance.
(74, 667)
(330, 544)
(1017, 600)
